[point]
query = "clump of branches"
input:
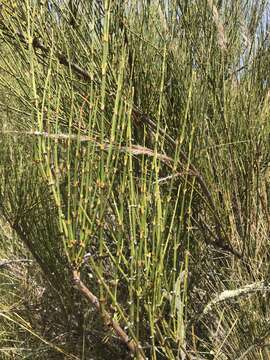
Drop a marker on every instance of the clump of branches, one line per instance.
(134, 164)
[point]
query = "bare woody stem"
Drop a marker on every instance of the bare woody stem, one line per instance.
(132, 345)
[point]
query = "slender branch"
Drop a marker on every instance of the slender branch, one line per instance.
(4, 263)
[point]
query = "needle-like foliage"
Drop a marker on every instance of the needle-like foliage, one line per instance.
(134, 167)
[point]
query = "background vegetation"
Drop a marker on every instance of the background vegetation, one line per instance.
(134, 179)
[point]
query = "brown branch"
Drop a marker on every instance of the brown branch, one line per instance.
(106, 146)
(132, 345)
